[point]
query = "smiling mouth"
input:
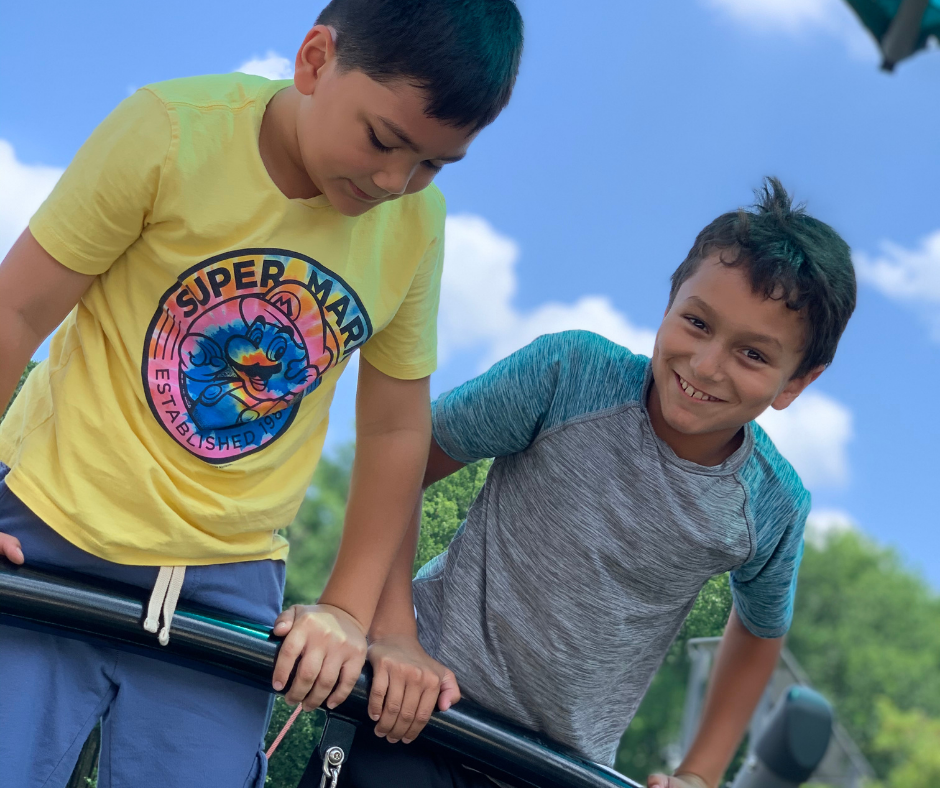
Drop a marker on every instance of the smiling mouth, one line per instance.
(693, 393)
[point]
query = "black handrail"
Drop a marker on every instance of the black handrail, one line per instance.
(78, 606)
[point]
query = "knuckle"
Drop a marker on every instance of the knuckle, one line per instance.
(306, 675)
(393, 708)
(407, 716)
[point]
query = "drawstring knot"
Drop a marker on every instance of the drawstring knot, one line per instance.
(166, 594)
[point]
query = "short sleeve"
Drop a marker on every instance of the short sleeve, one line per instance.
(502, 411)
(407, 347)
(102, 201)
(765, 587)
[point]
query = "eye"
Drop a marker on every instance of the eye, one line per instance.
(432, 166)
(277, 349)
(696, 322)
(256, 335)
(753, 355)
(376, 144)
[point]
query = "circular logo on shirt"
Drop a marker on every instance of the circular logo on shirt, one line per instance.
(238, 342)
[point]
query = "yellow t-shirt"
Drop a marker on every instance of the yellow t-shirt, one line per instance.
(183, 406)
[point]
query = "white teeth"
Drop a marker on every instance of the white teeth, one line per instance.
(694, 393)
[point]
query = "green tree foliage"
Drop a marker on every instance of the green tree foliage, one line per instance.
(910, 741)
(867, 627)
(445, 507)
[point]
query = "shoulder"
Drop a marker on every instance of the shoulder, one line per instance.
(592, 373)
(776, 493)
(216, 91)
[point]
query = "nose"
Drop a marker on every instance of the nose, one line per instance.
(393, 181)
(707, 362)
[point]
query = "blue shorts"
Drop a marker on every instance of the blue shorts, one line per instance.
(162, 725)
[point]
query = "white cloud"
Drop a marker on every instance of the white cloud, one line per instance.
(477, 292)
(823, 523)
(25, 186)
(799, 17)
(911, 276)
(813, 434)
(272, 66)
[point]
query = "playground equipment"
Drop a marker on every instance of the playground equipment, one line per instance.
(901, 27)
(75, 606)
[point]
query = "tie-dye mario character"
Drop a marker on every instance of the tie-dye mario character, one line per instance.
(254, 355)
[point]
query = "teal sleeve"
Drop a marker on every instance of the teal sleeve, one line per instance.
(764, 588)
(552, 380)
(502, 411)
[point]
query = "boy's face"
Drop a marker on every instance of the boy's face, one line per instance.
(724, 354)
(364, 142)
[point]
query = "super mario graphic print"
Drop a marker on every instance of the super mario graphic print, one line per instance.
(238, 342)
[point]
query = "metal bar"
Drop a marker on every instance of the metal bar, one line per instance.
(207, 640)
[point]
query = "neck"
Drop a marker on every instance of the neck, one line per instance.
(710, 448)
(280, 149)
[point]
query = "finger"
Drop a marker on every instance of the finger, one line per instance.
(348, 676)
(308, 669)
(287, 657)
(11, 548)
(284, 622)
(377, 695)
(450, 691)
(425, 710)
(324, 682)
(393, 699)
(657, 781)
(409, 710)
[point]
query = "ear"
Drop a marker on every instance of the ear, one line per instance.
(795, 387)
(316, 52)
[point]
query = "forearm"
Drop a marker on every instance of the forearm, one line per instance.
(393, 431)
(742, 669)
(19, 344)
(394, 614)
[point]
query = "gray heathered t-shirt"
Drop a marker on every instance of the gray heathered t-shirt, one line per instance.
(584, 552)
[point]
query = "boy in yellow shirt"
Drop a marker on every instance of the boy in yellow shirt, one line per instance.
(217, 250)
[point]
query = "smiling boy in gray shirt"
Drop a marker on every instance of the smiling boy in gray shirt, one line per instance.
(621, 485)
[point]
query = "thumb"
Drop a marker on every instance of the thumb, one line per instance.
(657, 781)
(284, 622)
(11, 548)
(450, 691)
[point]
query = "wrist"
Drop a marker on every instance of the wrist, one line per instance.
(334, 609)
(693, 778)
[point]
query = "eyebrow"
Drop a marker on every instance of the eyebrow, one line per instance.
(399, 132)
(749, 336)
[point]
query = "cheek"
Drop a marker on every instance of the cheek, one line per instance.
(756, 391)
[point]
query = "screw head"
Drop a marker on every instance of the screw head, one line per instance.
(335, 756)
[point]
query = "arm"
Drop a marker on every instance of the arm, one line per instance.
(407, 683)
(327, 640)
(36, 294)
(394, 614)
(744, 665)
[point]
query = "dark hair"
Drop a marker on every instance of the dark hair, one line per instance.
(789, 256)
(463, 53)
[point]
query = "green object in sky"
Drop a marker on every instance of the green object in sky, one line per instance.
(901, 27)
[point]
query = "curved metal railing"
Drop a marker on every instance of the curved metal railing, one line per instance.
(76, 606)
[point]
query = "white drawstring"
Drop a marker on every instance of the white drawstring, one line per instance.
(166, 594)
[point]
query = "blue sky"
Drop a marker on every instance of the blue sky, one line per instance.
(632, 126)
